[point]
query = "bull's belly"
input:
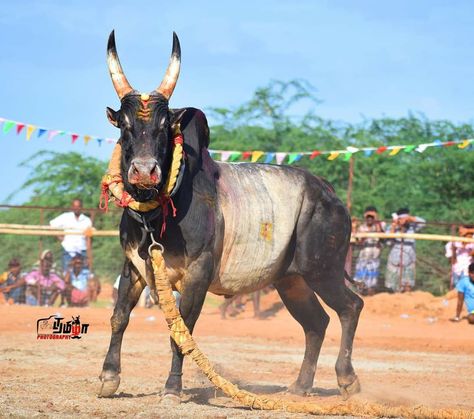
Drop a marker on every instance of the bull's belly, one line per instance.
(260, 207)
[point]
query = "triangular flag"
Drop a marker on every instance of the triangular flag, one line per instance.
(381, 149)
(314, 154)
(29, 131)
(438, 143)
(246, 155)
(352, 149)
(368, 152)
(235, 156)
(422, 147)
(52, 134)
(19, 127)
(449, 143)
(99, 140)
(225, 155)
(74, 137)
(464, 144)
(294, 157)
(87, 138)
(280, 157)
(269, 157)
(7, 126)
(256, 155)
(347, 156)
(395, 151)
(409, 148)
(109, 140)
(333, 155)
(41, 132)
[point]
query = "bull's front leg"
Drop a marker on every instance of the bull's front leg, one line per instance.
(130, 288)
(195, 287)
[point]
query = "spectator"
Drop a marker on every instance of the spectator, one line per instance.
(368, 261)
(465, 288)
(461, 255)
(73, 221)
(12, 283)
(400, 275)
(42, 285)
(78, 280)
(48, 255)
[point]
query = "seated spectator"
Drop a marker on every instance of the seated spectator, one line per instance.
(465, 288)
(461, 254)
(47, 254)
(42, 285)
(79, 286)
(12, 283)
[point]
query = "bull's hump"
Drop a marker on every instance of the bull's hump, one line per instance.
(260, 206)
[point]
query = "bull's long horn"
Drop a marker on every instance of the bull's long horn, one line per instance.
(121, 84)
(171, 77)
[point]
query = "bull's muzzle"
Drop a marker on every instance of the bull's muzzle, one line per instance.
(144, 172)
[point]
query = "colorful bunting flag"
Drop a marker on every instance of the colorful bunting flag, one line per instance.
(395, 151)
(294, 157)
(7, 126)
(256, 155)
(280, 157)
(269, 158)
(29, 131)
(19, 127)
(252, 155)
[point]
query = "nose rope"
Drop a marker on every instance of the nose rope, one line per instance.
(112, 187)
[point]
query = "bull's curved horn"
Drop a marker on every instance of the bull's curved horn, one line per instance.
(121, 84)
(171, 77)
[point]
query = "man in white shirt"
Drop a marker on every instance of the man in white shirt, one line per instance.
(74, 221)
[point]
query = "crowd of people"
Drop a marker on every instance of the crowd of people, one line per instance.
(75, 285)
(401, 261)
(44, 283)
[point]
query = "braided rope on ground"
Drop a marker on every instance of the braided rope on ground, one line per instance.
(181, 335)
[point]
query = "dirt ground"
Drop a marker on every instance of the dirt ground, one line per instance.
(406, 353)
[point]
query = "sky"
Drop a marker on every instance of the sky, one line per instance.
(366, 59)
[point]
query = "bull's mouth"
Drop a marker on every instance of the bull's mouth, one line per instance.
(144, 184)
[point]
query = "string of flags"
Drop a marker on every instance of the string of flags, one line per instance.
(254, 156)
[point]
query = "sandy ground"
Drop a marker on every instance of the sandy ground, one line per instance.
(406, 352)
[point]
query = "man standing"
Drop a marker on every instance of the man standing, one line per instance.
(74, 221)
(465, 288)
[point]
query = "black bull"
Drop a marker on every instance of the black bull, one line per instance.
(238, 228)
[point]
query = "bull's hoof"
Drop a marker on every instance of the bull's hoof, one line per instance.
(110, 384)
(170, 399)
(298, 389)
(348, 390)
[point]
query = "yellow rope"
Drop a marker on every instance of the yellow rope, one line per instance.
(113, 179)
(186, 344)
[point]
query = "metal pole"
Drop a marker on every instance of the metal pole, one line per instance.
(348, 265)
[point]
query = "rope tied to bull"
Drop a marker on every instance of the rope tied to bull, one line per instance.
(186, 344)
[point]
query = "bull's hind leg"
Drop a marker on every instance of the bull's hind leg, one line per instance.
(304, 306)
(130, 288)
(348, 307)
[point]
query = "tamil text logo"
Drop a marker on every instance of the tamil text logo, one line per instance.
(54, 327)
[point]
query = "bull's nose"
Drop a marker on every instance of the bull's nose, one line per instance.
(144, 170)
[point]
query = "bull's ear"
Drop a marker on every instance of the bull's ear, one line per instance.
(112, 116)
(175, 116)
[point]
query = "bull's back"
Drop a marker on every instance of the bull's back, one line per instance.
(260, 206)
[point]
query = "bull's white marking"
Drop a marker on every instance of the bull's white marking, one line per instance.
(260, 209)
